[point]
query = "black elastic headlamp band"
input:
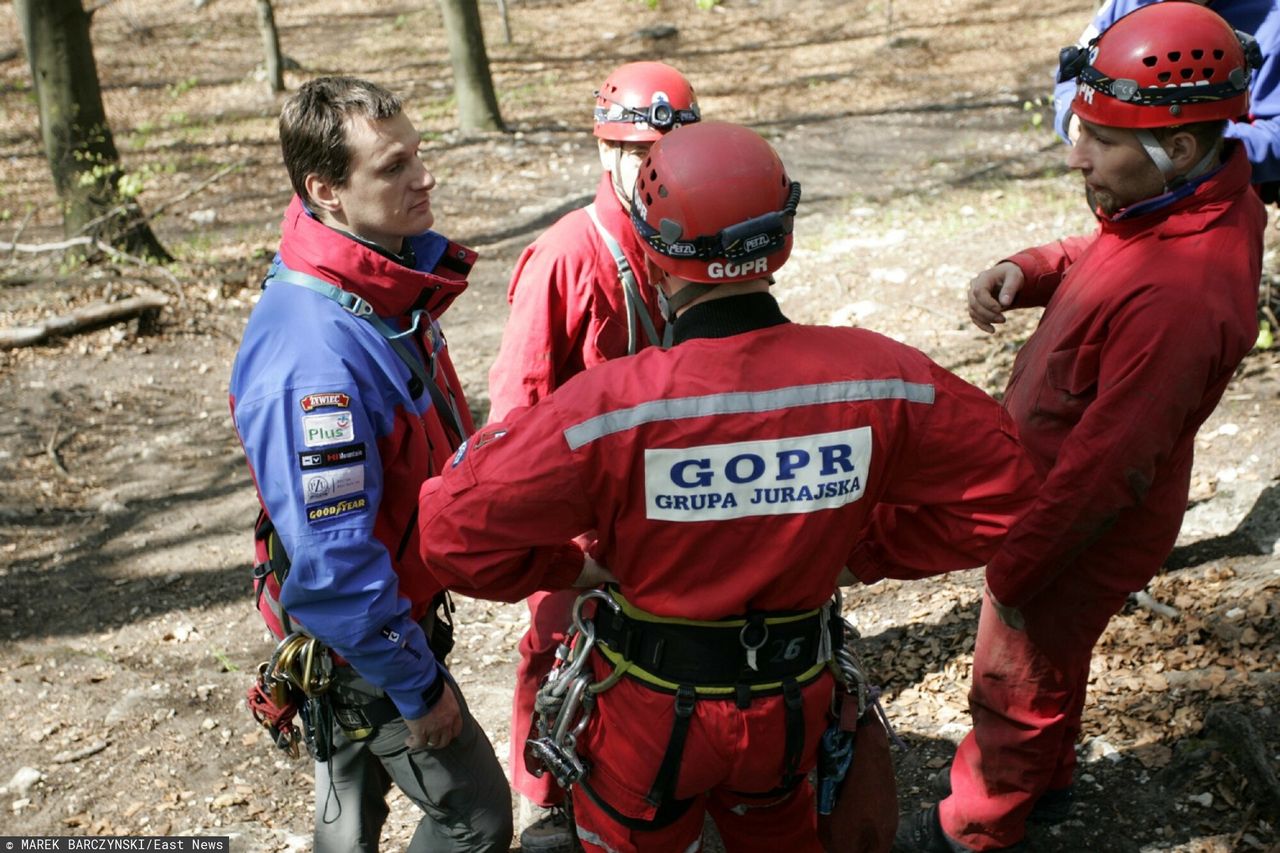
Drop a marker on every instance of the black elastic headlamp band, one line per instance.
(659, 115)
(744, 241)
(1073, 63)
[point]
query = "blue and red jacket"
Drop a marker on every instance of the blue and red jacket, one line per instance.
(339, 434)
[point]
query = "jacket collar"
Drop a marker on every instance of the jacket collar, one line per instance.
(1189, 208)
(729, 316)
(440, 275)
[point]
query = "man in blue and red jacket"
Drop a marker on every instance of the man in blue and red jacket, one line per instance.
(345, 400)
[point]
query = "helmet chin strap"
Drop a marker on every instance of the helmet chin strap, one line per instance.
(1161, 158)
(672, 304)
(618, 190)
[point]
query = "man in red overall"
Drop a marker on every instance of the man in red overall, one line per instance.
(1144, 324)
(580, 296)
(732, 480)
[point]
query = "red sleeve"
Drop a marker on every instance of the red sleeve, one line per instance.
(547, 312)
(1043, 268)
(1160, 356)
(498, 523)
(956, 493)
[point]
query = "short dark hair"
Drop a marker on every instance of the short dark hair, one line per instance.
(1207, 133)
(313, 133)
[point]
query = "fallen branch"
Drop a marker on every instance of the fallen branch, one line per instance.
(69, 756)
(81, 320)
(165, 205)
(52, 448)
(1143, 598)
(40, 248)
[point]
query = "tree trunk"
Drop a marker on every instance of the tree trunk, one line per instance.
(506, 20)
(271, 46)
(472, 84)
(73, 125)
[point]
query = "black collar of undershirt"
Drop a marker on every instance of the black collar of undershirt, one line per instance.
(407, 257)
(731, 315)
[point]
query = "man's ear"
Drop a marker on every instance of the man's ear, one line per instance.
(322, 194)
(1184, 150)
(653, 273)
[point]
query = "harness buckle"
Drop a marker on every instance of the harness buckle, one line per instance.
(360, 307)
(755, 626)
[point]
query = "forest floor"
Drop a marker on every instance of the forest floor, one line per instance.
(918, 129)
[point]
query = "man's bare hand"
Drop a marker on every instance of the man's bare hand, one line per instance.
(441, 724)
(991, 292)
(593, 574)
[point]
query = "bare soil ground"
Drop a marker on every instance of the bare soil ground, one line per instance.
(127, 637)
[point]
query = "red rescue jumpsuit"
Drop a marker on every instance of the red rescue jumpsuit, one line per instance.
(568, 313)
(740, 470)
(1145, 324)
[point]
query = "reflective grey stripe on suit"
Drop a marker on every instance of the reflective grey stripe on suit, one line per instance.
(745, 402)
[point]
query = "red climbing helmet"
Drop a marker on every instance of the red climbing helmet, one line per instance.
(713, 204)
(640, 101)
(1166, 64)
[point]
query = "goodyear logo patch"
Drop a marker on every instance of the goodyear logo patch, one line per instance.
(335, 509)
(326, 400)
(715, 482)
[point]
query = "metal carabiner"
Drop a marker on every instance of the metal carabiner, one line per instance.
(597, 594)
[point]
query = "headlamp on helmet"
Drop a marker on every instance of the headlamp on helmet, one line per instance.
(1180, 56)
(743, 241)
(659, 115)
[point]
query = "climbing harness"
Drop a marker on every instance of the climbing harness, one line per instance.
(737, 659)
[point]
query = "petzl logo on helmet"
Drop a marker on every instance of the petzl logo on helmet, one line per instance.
(329, 399)
(686, 250)
(756, 242)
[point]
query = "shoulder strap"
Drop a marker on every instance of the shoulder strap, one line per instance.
(630, 290)
(362, 309)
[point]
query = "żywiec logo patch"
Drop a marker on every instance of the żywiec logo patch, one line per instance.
(323, 430)
(327, 400)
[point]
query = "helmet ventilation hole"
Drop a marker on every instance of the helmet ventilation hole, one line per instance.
(1175, 55)
(648, 199)
(1149, 61)
(1208, 72)
(662, 190)
(1187, 73)
(1197, 54)
(1218, 54)
(1164, 76)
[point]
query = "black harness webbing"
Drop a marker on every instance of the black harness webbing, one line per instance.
(722, 661)
(664, 784)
